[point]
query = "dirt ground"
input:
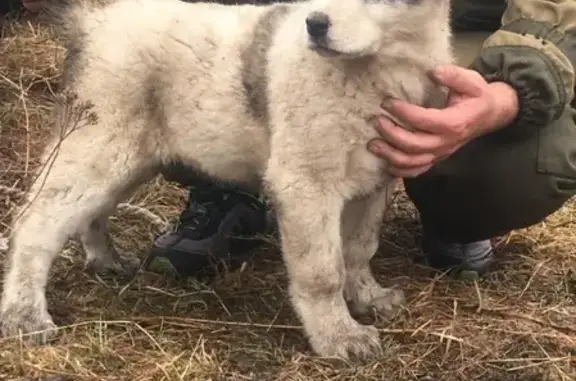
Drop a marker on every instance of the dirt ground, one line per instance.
(517, 324)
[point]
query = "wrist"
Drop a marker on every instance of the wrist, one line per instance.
(505, 103)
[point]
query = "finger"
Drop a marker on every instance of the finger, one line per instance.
(408, 173)
(420, 118)
(459, 79)
(398, 158)
(412, 142)
(435, 121)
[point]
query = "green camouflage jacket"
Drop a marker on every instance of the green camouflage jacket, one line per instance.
(532, 48)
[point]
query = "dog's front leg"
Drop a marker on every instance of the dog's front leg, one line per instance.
(309, 218)
(361, 223)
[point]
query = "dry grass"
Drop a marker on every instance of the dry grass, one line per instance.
(518, 324)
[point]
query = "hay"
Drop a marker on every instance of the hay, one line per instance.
(518, 324)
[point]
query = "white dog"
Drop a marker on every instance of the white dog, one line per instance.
(284, 96)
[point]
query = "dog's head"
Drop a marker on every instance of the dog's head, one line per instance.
(356, 28)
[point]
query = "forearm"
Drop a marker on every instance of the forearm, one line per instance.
(534, 51)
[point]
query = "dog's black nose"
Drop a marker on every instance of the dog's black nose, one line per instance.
(317, 24)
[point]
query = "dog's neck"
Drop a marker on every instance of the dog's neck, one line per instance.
(385, 74)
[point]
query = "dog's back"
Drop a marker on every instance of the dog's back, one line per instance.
(179, 74)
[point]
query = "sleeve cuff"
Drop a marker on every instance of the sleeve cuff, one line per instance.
(540, 73)
(540, 94)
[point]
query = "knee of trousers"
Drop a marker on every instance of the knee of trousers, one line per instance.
(489, 188)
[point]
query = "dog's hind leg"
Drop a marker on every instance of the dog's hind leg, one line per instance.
(101, 254)
(82, 181)
(361, 223)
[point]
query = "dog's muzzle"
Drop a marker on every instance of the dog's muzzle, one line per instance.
(317, 25)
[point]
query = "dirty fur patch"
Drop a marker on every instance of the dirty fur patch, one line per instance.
(254, 62)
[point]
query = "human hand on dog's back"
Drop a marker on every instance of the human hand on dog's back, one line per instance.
(474, 108)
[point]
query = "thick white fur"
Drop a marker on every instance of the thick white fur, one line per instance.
(164, 79)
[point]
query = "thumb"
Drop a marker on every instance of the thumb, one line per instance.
(459, 79)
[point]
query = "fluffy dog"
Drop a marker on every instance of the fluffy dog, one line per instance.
(282, 96)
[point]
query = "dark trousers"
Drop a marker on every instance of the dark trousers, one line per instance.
(492, 186)
(496, 184)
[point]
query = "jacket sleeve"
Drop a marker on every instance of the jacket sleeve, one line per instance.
(534, 51)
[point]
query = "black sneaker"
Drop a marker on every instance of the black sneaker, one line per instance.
(469, 261)
(217, 229)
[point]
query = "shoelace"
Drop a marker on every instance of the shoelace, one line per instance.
(195, 217)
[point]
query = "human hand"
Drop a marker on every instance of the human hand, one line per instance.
(474, 108)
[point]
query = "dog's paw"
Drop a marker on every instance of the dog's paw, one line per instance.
(35, 325)
(124, 267)
(364, 298)
(347, 340)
